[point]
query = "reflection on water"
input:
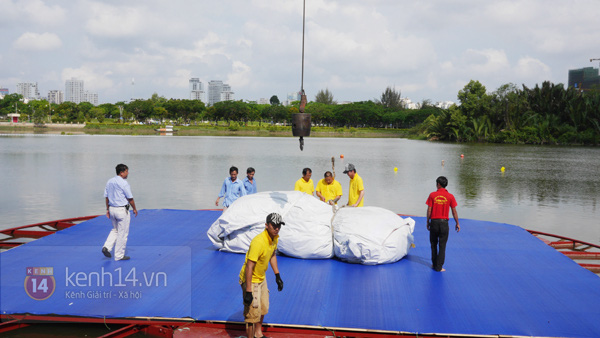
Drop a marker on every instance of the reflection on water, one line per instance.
(553, 189)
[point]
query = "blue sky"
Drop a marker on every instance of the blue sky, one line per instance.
(425, 49)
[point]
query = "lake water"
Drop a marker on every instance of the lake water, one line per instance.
(546, 188)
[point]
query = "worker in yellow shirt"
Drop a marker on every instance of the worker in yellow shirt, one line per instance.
(329, 190)
(261, 253)
(305, 184)
(356, 193)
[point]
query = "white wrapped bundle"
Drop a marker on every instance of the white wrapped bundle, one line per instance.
(371, 235)
(368, 235)
(306, 233)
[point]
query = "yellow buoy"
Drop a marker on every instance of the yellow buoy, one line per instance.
(395, 168)
(502, 169)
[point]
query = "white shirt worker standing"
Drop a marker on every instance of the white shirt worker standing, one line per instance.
(118, 197)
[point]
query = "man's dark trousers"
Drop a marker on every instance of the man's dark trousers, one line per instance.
(438, 234)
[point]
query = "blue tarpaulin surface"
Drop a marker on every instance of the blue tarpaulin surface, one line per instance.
(500, 280)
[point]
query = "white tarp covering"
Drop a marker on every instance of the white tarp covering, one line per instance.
(306, 233)
(371, 235)
(368, 235)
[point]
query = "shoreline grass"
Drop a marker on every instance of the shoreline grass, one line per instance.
(264, 130)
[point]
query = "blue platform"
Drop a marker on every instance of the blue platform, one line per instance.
(500, 280)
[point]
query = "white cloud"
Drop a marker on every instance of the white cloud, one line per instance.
(40, 13)
(530, 70)
(30, 12)
(95, 78)
(241, 75)
(115, 22)
(355, 48)
(181, 79)
(37, 42)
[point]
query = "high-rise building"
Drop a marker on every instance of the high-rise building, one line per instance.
(29, 90)
(196, 89)
(219, 91)
(56, 96)
(74, 90)
(584, 78)
(90, 97)
(226, 93)
(214, 91)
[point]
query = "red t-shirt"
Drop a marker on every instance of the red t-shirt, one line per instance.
(440, 202)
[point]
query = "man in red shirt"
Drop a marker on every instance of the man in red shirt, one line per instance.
(438, 205)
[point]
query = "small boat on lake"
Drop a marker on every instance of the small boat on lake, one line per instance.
(166, 129)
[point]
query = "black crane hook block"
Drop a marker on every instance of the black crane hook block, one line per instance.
(301, 126)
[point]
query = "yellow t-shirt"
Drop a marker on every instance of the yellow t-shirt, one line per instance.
(356, 186)
(307, 187)
(261, 250)
(329, 191)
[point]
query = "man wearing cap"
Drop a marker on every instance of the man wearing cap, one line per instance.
(356, 193)
(252, 277)
(438, 204)
(305, 184)
(118, 197)
(329, 190)
(232, 189)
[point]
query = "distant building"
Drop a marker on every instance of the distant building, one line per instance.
(445, 104)
(408, 104)
(74, 90)
(584, 78)
(29, 90)
(214, 91)
(219, 91)
(90, 97)
(56, 96)
(196, 89)
(262, 100)
(291, 97)
(13, 117)
(226, 93)
(294, 96)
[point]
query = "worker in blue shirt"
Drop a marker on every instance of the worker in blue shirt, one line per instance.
(232, 189)
(250, 181)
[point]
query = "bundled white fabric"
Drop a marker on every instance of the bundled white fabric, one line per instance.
(368, 235)
(371, 235)
(306, 233)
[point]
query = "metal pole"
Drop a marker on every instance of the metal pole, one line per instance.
(301, 121)
(303, 23)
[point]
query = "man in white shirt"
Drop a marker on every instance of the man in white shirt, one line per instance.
(118, 197)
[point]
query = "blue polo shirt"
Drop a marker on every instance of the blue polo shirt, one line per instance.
(118, 192)
(232, 191)
(250, 187)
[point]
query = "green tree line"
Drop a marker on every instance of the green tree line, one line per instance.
(546, 114)
(356, 114)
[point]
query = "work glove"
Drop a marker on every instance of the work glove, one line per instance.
(279, 282)
(248, 297)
